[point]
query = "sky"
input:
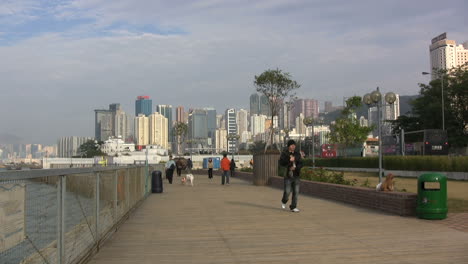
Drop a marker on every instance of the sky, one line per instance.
(61, 60)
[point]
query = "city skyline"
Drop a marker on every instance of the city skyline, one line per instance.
(65, 58)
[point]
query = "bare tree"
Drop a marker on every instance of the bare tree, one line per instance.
(276, 85)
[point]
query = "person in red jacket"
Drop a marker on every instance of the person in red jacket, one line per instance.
(226, 167)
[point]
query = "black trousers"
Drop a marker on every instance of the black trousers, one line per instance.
(169, 175)
(210, 173)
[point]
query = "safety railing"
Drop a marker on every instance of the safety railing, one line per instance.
(64, 215)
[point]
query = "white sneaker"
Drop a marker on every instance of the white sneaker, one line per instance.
(283, 206)
(295, 210)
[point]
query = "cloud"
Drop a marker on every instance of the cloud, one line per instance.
(203, 53)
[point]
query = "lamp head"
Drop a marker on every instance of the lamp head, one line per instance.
(390, 98)
(376, 96)
(367, 99)
(425, 73)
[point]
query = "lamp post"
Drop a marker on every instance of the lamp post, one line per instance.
(375, 99)
(307, 122)
(442, 95)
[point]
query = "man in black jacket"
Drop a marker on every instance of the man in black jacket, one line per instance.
(291, 160)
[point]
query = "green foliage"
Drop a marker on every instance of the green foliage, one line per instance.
(347, 131)
(412, 163)
(366, 183)
(180, 130)
(246, 169)
(91, 149)
(322, 175)
(428, 107)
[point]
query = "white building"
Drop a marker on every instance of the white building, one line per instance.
(446, 54)
(245, 137)
(300, 127)
(69, 146)
(158, 130)
(231, 127)
(141, 130)
(221, 140)
(242, 121)
(117, 145)
(257, 124)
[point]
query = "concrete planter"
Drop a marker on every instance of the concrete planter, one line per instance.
(265, 166)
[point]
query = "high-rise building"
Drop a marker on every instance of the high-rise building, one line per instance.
(328, 107)
(143, 105)
(446, 54)
(243, 121)
(221, 140)
(112, 122)
(166, 111)
(300, 127)
(198, 129)
(257, 124)
(219, 121)
(68, 147)
(211, 126)
(120, 122)
(141, 130)
(158, 133)
(231, 127)
(180, 114)
(259, 105)
(308, 107)
(103, 124)
(255, 104)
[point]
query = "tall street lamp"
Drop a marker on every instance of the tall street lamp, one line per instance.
(375, 99)
(442, 95)
(308, 121)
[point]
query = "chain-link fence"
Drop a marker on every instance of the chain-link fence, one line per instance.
(63, 215)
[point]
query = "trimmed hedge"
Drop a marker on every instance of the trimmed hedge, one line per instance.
(411, 163)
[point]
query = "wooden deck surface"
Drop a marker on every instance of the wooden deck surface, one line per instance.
(242, 223)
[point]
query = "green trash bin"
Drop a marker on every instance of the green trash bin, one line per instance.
(432, 196)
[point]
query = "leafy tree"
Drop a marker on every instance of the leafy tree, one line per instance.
(428, 107)
(91, 149)
(276, 85)
(346, 131)
(180, 130)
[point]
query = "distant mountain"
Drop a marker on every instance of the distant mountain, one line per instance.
(405, 109)
(6, 138)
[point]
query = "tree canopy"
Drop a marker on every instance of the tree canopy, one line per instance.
(276, 85)
(91, 149)
(427, 108)
(346, 131)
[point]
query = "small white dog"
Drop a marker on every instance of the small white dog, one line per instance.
(189, 178)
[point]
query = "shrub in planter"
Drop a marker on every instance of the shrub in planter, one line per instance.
(322, 175)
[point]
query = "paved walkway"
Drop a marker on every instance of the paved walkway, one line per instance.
(242, 223)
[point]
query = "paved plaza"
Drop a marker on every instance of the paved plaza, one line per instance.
(242, 223)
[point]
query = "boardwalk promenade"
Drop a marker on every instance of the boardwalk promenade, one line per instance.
(242, 223)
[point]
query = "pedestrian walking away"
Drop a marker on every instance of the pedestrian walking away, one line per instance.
(226, 167)
(210, 169)
(189, 165)
(292, 161)
(232, 167)
(170, 167)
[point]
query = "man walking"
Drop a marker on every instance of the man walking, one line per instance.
(170, 166)
(291, 160)
(226, 167)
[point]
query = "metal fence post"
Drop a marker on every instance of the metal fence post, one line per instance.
(116, 197)
(97, 194)
(61, 192)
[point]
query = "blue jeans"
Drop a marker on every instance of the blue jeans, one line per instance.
(225, 176)
(291, 184)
